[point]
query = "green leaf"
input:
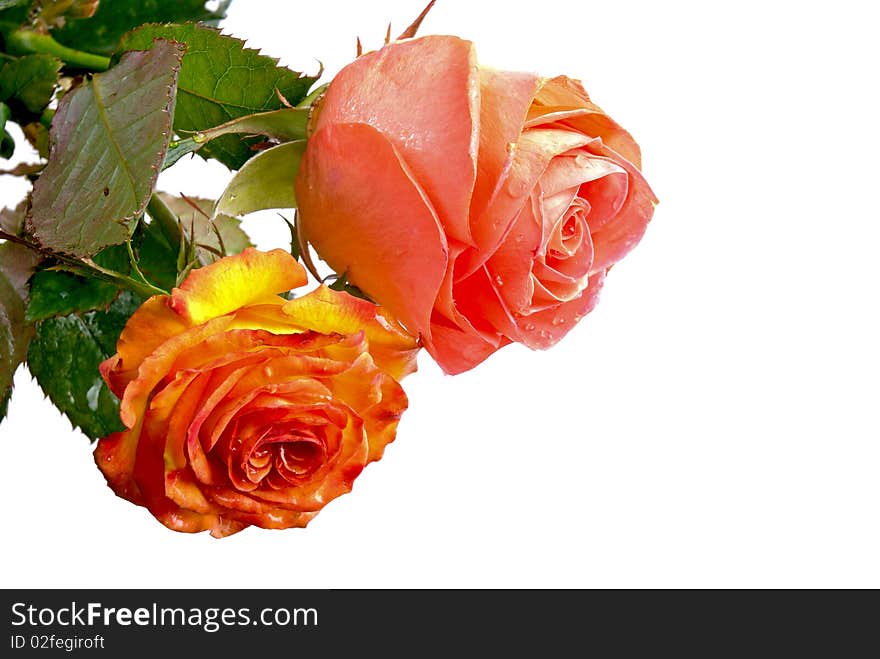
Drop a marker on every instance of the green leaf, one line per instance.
(16, 265)
(108, 140)
(30, 80)
(177, 149)
(265, 181)
(13, 13)
(57, 293)
(156, 258)
(64, 357)
(7, 142)
(221, 80)
(100, 34)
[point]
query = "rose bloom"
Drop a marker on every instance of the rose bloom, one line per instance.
(481, 207)
(243, 408)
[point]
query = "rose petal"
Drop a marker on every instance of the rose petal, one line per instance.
(115, 455)
(505, 98)
(366, 216)
(510, 267)
(457, 350)
(577, 167)
(565, 101)
(623, 231)
(533, 153)
(331, 312)
(437, 135)
(236, 281)
(147, 329)
(459, 322)
(379, 400)
(156, 366)
(266, 515)
(546, 328)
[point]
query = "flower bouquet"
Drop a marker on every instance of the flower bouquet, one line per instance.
(434, 203)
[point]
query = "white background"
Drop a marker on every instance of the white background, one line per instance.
(712, 424)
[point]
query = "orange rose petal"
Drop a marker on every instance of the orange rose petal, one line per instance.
(565, 101)
(437, 136)
(327, 311)
(183, 490)
(510, 267)
(221, 383)
(244, 508)
(618, 235)
(265, 317)
(457, 350)
(379, 399)
(226, 527)
(367, 217)
(247, 387)
(462, 341)
(147, 329)
(157, 365)
(115, 455)
(233, 345)
(346, 450)
(577, 167)
(333, 480)
(534, 151)
(381, 420)
(187, 521)
(559, 286)
(149, 473)
(115, 376)
(553, 208)
(543, 329)
(236, 281)
(358, 386)
(172, 407)
(505, 99)
(481, 293)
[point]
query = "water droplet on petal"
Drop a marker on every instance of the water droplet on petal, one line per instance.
(530, 327)
(499, 281)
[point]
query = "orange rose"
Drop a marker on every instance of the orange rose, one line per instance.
(481, 207)
(244, 408)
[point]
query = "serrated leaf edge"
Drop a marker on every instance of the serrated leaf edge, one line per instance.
(171, 95)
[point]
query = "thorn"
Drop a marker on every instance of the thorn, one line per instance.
(194, 205)
(282, 98)
(412, 29)
(192, 238)
(360, 47)
(220, 242)
(304, 248)
(388, 34)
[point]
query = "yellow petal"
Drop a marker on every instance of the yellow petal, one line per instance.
(252, 277)
(332, 312)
